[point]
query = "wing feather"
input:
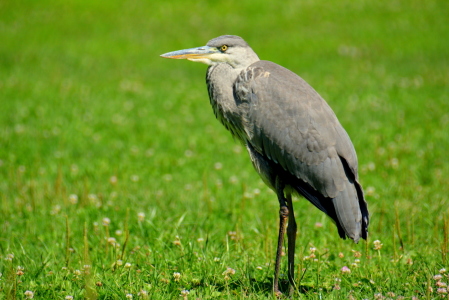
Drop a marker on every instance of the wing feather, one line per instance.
(287, 121)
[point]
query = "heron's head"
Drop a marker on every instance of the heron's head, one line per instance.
(228, 49)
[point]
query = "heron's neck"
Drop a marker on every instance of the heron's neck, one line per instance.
(220, 82)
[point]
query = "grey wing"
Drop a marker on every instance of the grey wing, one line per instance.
(287, 121)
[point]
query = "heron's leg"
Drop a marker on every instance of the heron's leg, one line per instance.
(291, 234)
(283, 216)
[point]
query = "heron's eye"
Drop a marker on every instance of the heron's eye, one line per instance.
(224, 48)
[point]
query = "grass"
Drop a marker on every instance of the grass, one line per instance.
(115, 175)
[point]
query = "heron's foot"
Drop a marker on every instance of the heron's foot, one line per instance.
(278, 293)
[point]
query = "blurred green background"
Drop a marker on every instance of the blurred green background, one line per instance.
(94, 124)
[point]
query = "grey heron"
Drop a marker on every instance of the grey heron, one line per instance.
(294, 140)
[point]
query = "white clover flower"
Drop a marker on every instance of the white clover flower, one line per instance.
(113, 179)
(106, 221)
(55, 210)
(143, 294)
(229, 271)
(369, 191)
(73, 199)
(377, 245)
(378, 296)
(233, 179)
(394, 163)
(176, 276)
(92, 197)
(437, 277)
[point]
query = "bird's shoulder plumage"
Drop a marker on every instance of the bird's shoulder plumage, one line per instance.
(288, 122)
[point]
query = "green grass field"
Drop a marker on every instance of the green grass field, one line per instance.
(117, 182)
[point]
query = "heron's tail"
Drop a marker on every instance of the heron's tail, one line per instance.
(348, 209)
(351, 211)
